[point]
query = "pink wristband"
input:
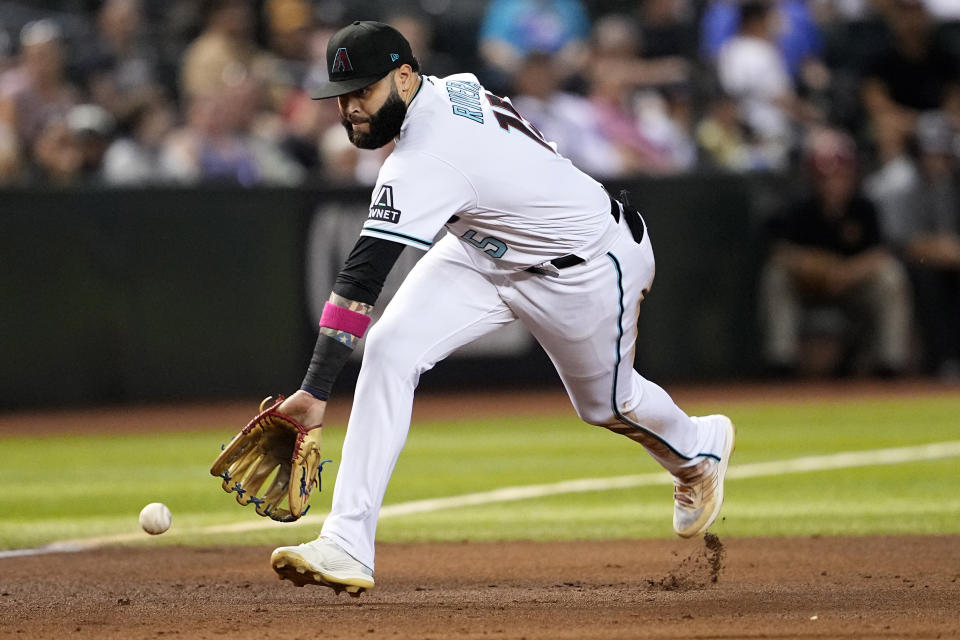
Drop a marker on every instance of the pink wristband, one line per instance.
(341, 319)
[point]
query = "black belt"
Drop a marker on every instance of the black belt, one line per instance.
(562, 262)
(634, 221)
(568, 260)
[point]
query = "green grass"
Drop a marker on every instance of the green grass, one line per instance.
(63, 487)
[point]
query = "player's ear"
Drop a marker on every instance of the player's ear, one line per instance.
(405, 77)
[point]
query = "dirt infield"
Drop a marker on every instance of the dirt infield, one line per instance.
(880, 587)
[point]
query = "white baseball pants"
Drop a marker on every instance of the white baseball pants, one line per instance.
(585, 318)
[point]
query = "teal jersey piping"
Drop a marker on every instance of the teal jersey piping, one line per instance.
(616, 372)
(396, 234)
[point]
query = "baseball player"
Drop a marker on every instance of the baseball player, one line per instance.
(529, 237)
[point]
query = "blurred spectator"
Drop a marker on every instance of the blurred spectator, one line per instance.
(71, 150)
(263, 130)
(751, 69)
(219, 143)
(650, 136)
(726, 142)
(665, 118)
(827, 250)
(512, 29)
(419, 33)
(225, 54)
(615, 50)
(135, 159)
(120, 70)
(667, 28)
(891, 184)
(924, 222)
(33, 94)
(564, 118)
(207, 147)
(793, 30)
(290, 25)
(93, 129)
(914, 73)
(56, 154)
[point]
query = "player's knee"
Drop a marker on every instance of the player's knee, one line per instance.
(596, 414)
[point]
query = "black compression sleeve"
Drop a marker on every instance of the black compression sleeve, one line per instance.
(329, 356)
(366, 269)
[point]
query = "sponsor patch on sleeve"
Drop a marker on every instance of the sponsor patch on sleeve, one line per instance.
(382, 208)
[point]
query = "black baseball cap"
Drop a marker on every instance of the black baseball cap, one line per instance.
(360, 54)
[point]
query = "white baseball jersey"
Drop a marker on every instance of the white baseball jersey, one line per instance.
(466, 159)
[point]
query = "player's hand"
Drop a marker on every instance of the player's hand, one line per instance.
(304, 408)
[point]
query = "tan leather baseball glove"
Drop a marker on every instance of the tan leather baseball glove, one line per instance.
(272, 442)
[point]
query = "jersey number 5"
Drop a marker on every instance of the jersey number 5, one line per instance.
(489, 245)
(509, 118)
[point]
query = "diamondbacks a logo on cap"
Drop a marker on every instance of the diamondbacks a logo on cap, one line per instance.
(382, 208)
(341, 62)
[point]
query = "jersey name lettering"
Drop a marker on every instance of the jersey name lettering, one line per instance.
(509, 118)
(383, 208)
(465, 99)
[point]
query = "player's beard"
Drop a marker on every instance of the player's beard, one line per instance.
(383, 126)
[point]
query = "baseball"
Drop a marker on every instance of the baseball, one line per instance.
(155, 518)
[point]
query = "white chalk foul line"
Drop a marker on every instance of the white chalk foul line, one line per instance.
(807, 464)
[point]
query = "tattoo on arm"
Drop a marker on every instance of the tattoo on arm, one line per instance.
(352, 305)
(344, 337)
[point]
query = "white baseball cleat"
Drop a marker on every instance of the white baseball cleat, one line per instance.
(322, 562)
(696, 504)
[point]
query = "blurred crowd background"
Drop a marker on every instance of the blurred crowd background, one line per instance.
(857, 101)
(133, 91)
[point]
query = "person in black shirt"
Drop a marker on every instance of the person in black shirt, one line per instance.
(827, 250)
(915, 72)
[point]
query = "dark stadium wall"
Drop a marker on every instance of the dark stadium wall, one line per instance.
(119, 296)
